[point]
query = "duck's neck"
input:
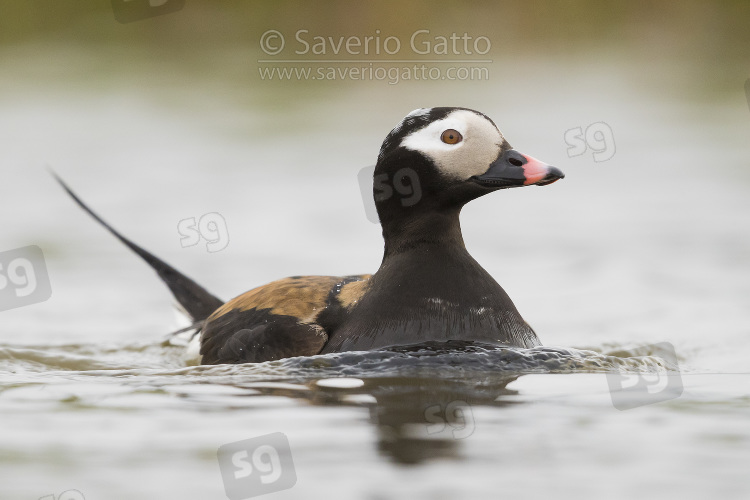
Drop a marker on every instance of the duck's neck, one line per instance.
(440, 228)
(428, 288)
(426, 258)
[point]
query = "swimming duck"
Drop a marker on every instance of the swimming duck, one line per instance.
(428, 286)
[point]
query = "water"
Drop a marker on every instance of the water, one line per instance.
(624, 255)
(529, 420)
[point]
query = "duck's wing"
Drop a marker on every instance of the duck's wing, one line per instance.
(286, 318)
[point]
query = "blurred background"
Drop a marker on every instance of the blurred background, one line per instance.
(174, 116)
(159, 121)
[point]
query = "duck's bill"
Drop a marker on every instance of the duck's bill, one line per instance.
(513, 169)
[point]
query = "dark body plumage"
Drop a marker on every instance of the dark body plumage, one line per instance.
(428, 287)
(430, 291)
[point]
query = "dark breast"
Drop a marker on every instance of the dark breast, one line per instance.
(437, 295)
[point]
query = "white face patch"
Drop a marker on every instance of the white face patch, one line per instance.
(480, 146)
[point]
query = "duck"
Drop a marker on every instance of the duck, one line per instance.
(428, 287)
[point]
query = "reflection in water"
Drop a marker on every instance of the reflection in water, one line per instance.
(433, 405)
(417, 417)
(420, 419)
(422, 398)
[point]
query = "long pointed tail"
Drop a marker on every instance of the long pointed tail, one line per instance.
(195, 299)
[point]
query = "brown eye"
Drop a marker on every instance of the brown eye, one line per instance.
(451, 136)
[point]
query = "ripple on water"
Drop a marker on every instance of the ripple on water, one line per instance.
(443, 359)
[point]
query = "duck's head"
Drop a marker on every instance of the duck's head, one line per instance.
(442, 158)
